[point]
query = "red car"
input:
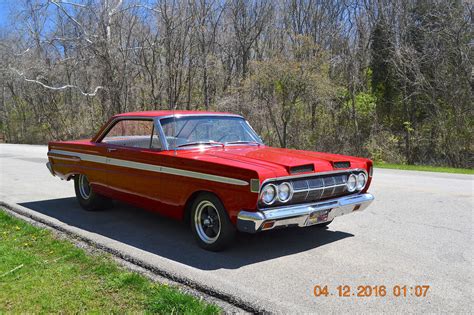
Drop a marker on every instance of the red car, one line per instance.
(211, 170)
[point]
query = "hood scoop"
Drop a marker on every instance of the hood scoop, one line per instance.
(342, 164)
(302, 169)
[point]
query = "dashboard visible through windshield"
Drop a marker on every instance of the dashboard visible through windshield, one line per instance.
(188, 131)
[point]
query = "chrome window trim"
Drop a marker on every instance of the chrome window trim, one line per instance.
(164, 143)
(117, 119)
(149, 167)
(197, 115)
(198, 146)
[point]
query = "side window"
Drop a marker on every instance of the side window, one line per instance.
(133, 133)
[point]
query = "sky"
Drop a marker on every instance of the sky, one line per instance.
(5, 6)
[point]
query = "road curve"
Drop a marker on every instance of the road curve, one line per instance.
(417, 232)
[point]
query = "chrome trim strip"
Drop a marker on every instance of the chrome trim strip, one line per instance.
(83, 156)
(214, 178)
(319, 188)
(151, 167)
(197, 115)
(251, 222)
(74, 159)
(292, 177)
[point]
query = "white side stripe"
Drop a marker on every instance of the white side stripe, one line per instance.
(149, 167)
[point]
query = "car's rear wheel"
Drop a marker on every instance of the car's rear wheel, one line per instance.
(210, 223)
(87, 197)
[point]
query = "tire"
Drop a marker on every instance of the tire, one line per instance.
(87, 198)
(210, 223)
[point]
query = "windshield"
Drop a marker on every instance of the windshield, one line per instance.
(207, 130)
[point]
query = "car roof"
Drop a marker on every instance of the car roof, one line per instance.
(162, 113)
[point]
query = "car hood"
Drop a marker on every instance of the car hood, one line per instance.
(281, 161)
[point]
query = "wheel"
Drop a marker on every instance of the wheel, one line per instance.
(210, 223)
(322, 225)
(88, 199)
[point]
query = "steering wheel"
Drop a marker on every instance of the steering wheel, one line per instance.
(234, 135)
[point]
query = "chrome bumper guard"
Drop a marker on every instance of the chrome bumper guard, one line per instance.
(301, 215)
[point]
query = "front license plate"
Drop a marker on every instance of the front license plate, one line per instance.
(318, 217)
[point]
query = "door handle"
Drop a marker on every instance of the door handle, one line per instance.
(111, 150)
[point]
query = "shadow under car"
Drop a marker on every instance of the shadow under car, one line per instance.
(173, 240)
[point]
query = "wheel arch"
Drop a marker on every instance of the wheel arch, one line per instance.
(72, 175)
(190, 200)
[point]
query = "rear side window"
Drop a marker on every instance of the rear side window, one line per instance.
(133, 133)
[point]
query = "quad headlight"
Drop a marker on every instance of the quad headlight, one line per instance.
(284, 192)
(361, 181)
(270, 193)
(351, 183)
(356, 182)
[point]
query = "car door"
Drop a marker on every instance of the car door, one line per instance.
(133, 146)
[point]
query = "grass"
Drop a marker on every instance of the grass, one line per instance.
(41, 273)
(425, 168)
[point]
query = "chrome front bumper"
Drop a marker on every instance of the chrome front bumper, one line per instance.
(301, 215)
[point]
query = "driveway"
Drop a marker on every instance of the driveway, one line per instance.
(418, 231)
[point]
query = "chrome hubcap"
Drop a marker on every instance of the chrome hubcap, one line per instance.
(84, 187)
(207, 222)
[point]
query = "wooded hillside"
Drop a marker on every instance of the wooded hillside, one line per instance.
(390, 80)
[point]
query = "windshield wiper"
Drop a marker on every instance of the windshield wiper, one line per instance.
(199, 143)
(242, 142)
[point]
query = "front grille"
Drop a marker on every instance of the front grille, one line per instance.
(315, 188)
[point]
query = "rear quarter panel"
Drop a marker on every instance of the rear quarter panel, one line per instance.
(65, 166)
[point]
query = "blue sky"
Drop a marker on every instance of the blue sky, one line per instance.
(5, 6)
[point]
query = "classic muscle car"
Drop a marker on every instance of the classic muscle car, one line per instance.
(211, 170)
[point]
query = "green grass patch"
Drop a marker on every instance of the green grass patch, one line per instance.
(42, 274)
(425, 168)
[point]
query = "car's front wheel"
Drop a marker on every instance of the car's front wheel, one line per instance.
(210, 223)
(87, 197)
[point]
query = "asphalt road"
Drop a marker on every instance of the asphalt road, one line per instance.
(417, 232)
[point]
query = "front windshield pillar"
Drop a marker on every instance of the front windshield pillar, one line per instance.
(161, 134)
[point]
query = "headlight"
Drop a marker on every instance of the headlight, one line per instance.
(351, 183)
(269, 194)
(361, 180)
(284, 192)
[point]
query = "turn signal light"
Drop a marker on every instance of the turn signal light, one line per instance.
(268, 225)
